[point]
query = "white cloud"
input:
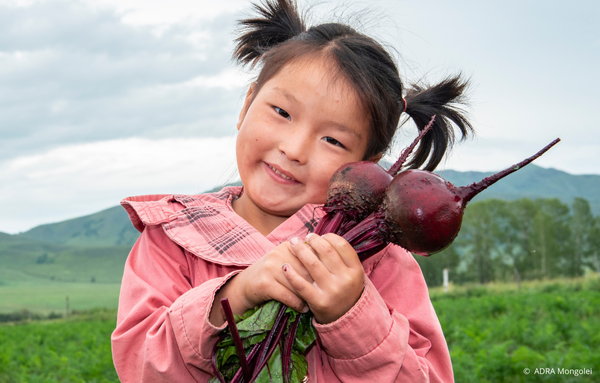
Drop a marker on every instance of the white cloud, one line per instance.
(160, 12)
(73, 180)
(72, 73)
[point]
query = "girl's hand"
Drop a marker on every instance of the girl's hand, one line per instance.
(337, 273)
(261, 282)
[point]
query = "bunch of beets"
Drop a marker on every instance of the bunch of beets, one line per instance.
(370, 207)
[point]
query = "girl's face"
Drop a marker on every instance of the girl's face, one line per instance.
(295, 133)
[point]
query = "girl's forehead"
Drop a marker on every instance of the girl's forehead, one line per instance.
(317, 72)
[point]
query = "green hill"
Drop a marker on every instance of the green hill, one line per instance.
(33, 261)
(110, 227)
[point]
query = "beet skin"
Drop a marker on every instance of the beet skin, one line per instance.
(422, 212)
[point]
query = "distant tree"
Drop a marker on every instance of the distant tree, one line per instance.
(517, 236)
(479, 239)
(595, 242)
(42, 259)
(552, 237)
(582, 226)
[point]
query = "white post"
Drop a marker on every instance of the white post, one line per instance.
(445, 280)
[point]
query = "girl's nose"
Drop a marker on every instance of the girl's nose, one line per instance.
(295, 148)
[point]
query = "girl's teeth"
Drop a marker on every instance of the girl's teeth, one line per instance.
(281, 174)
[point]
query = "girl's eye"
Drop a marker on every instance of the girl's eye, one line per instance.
(333, 141)
(282, 113)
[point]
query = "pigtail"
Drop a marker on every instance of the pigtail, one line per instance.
(278, 21)
(442, 100)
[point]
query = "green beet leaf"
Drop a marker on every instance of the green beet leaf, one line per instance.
(253, 327)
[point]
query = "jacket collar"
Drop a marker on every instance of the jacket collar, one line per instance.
(209, 228)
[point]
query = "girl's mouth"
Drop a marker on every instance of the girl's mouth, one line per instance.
(283, 177)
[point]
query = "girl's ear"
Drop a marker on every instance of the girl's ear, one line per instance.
(247, 102)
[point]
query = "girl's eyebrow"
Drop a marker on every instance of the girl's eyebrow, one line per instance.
(339, 126)
(286, 94)
(346, 129)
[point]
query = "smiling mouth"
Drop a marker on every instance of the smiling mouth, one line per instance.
(280, 173)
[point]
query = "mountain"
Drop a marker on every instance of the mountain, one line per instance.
(27, 260)
(111, 227)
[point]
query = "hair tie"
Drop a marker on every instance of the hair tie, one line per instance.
(405, 104)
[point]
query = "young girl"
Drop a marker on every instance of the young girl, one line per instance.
(325, 96)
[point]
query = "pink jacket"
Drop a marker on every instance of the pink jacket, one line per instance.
(191, 245)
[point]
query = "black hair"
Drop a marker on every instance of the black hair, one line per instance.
(278, 36)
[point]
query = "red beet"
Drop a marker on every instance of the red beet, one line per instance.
(421, 212)
(357, 189)
(424, 212)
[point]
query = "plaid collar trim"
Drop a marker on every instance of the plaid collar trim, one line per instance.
(210, 229)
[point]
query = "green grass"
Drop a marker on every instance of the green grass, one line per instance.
(494, 332)
(76, 350)
(51, 297)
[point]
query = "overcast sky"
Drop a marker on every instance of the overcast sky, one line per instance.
(102, 99)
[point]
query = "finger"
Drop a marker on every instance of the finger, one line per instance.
(306, 291)
(296, 264)
(326, 252)
(288, 297)
(310, 261)
(344, 249)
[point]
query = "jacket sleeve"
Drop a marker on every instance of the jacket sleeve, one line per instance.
(163, 332)
(392, 332)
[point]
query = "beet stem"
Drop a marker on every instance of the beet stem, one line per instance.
(214, 359)
(271, 350)
(239, 347)
(333, 224)
(322, 222)
(366, 225)
(288, 346)
(406, 152)
(237, 378)
(267, 342)
(468, 192)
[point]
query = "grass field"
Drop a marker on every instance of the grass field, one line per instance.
(48, 298)
(77, 350)
(38, 276)
(494, 333)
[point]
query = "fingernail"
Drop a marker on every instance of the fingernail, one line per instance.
(304, 309)
(294, 240)
(285, 267)
(309, 235)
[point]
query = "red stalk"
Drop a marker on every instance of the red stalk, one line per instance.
(214, 359)
(261, 365)
(239, 347)
(237, 378)
(468, 192)
(406, 152)
(288, 346)
(264, 351)
(332, 223)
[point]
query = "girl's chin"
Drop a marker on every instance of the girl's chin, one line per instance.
(283, 207)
